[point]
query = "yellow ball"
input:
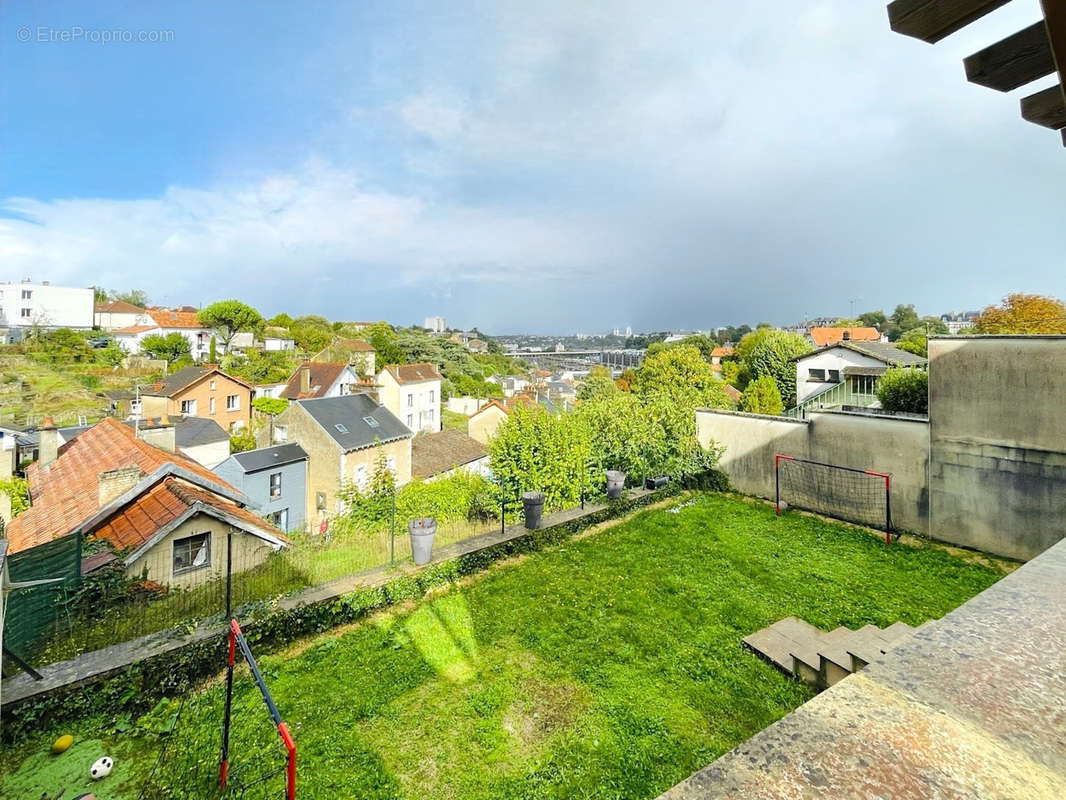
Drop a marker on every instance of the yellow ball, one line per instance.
(63, 743)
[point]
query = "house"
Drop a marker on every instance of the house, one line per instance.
(274, 479)
(824, 337)
(40, 305)
(118, 314)
(241, 342)
(435, 455)
(199, 438)
(130, 337)
(25, 443)
(859, 365)
(477, 346)
(481, 426)
(268, 390)
(344, 437)
(412, 393)
(959, 320)
(163, 515)
(720, 352)
(277, 339)
(732, 392)
(122, 402)
(464, 405)
(361, 355)
(187, 323)
(201, 392)
(322, 380)
(514, 385)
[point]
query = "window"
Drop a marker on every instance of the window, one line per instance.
(26, 313)
(188, 408)
(834, 375)
(213, 384)
(192, 552)
(429, 415)
(320, 501)
(431, 396)
(410, 400)
(275, 485)
(341, 428)
(281, 434)
(279, 518)
(135, 407)
(373, 423)
(233, 402)
(816, 374)
(410, 420)
(360, 476)
(211, 405)
(27, 294)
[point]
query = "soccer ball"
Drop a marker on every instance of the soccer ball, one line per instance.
(101, 768)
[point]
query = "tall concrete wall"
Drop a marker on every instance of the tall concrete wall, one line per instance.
(864, 441)
(998, 442)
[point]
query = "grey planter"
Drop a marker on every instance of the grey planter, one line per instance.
(422, 531)
(616, 481)
(534, 508)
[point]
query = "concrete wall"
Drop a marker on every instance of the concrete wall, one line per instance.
(248, 551)
(862, 441)
(998, 442)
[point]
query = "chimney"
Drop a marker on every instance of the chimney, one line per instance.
(210, 367)
(161, 435)
(49, 446)
(305, 378)
(115, 483)
(158, 386)
(847, 336)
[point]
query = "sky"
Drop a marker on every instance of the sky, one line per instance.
(551, 167)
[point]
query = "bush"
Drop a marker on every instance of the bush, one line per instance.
(762, 397)
(242, 440)
(904, 390)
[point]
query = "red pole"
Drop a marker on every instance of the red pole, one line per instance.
(290, 745)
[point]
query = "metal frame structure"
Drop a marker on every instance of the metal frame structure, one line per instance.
(779, 457)
(238, 642)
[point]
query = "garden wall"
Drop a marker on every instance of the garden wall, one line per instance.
(863, 441)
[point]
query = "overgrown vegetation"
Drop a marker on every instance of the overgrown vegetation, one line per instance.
(904, 390)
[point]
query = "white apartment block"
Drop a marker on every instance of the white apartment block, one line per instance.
(412, 393)
(436, 324)
(41, 305)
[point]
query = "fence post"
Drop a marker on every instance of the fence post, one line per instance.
(229, 575)
(503, 513)
(392, 532)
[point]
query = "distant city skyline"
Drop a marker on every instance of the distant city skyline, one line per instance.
(568, 166)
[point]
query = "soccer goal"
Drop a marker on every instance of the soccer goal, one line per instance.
(856, 495)
(238, 644)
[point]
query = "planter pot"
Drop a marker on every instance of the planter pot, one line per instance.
(422, 531)
(534, 508)
(616, 481)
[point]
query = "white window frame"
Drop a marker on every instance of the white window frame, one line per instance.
(274, 485)
(233, 402)
(192, 566)
(188, 408)
(211, 405)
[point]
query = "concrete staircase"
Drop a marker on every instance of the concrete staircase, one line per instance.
(824, 658)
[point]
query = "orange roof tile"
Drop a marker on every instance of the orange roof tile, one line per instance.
(136, 329)
(828, 336)
(322, 377)
(117, 307)
(174, 319)
(414, 373)
(721, 351)
(64, 494)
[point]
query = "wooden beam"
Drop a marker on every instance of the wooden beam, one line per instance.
(1055, 19)
(1014, 61)
(932, 20)
(1045, 108)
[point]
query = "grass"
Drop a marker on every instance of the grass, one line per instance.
(607, 667)
(453, 420)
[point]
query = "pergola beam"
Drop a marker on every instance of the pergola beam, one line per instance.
(1045, 108)
(1055, 19)
(1014, 61)
(932, 20)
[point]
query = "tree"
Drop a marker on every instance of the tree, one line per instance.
(933, 326)
(212, 352)
(135, 297)
(914, 341)
(847, 322)
(762, 397)
(270, 405)
(702, 343)
(1023, 314)
(242, 440)
(681, 373)
(18, 490)
(874, 319)
(598, 382)
(903, 389)
(229, 317)
(171, 347)
(903, 319)
(100, 295)
(770, 352)
(280, 321)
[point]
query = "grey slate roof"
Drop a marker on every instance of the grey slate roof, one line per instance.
(347, 420)
(885, 352)
(188, 431)
(266, 457)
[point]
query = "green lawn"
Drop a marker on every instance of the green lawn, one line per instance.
(608, 667)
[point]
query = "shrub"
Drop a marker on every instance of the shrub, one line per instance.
(242, 440)
(904, 390)
(762, 397)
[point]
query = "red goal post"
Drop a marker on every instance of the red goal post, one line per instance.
(779, 458)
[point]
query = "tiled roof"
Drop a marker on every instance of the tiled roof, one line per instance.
(117, 307)
(174, 319)
(184, 378)
(722, 351)
(137, 522)
(731, 392)
(885, 352)
(433, 453)
(827, 336)
(414, 373)
(64, 494)
(322, 377)
(132, 329)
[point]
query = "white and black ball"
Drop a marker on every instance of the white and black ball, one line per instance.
(101, 768)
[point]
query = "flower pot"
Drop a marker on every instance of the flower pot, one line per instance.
(616, 481)
(422, 531)
(534, 508)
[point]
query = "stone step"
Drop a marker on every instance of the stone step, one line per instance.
(776, 642)
(837, 662)
(807, 660)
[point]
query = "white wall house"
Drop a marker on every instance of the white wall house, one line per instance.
(860, 362)
(162, 322)
(115, 314)
(274, 343)
(28, 305)
(412, 393)
(130, 338)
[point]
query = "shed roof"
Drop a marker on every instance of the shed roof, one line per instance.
(434, 453)
(266, 457)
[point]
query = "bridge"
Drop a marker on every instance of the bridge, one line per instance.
(583, 359)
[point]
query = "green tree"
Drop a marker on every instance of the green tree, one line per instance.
(270, 405)
(135, 297)
(761, 397)
(680, 373)
(770, 352)
(874, 319)
(914, 341)
(904, 389)
(903, 319)
(18, 490)
(171, 347)
(212, 352)
(100, 295)
(599, 381)
(242, 440)
(229, 317)
(280, 321)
